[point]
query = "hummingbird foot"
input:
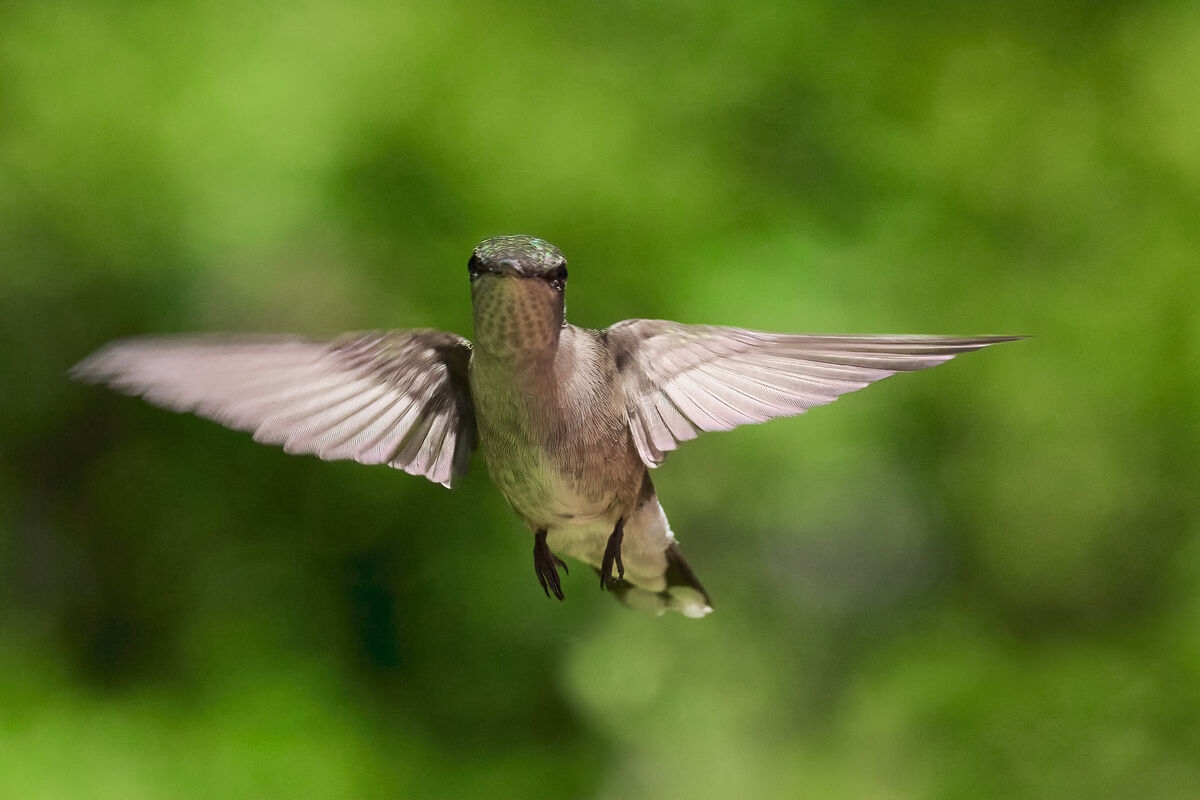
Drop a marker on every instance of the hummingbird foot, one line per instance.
(544, 566)
(612, 554)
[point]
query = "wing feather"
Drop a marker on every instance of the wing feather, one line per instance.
(680, 380)
(396, 397)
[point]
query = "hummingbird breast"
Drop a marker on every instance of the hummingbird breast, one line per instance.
(554, 432)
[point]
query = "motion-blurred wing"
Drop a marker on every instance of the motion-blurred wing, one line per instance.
(680, 380)
(385, 397)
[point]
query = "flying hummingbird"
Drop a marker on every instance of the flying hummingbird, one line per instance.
(570, 420)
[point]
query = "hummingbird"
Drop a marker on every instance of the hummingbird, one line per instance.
(569, 420)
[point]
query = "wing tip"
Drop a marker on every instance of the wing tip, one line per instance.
(96, 367)
(998, 338)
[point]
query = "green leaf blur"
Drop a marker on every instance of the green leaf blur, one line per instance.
(982, 581)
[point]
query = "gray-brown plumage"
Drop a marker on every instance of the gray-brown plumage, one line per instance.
(568, 419)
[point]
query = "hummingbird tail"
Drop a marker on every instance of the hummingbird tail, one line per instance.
(684, 593)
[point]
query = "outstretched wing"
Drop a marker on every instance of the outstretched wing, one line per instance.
(680, 380)
(383, 397)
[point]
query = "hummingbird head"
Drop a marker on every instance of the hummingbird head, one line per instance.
(519, 256)
(518, 286)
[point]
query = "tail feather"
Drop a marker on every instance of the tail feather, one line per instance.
(683, 592)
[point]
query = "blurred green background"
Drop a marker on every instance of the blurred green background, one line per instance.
(982, 581)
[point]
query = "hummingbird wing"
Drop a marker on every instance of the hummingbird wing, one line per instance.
(399, 398)
(680, 380)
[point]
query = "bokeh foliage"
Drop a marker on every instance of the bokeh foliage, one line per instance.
(983, 581)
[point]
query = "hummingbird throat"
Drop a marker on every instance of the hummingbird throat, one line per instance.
(516, 318)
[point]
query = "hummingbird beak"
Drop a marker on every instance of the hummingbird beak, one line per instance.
(508, 267)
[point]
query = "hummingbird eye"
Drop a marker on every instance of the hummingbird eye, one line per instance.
(474, 267)
(558, 278)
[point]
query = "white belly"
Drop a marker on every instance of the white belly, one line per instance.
(643, 548)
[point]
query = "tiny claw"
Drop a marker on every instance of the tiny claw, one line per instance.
(612, 555)
(544, 563)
